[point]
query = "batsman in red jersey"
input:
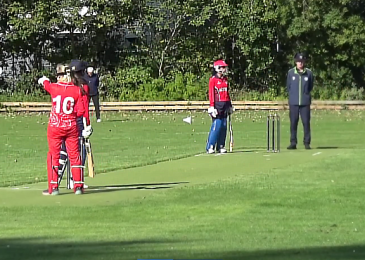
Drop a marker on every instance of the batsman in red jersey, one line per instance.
(80, 126)
(67, 105)
(220, 107)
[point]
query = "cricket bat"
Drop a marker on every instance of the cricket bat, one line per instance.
(230, 134)
(89, 153)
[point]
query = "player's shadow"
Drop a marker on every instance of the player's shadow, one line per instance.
(91, 191)
(249, 149)
(327, 147)
(245, 151)
(117, 120)
(126, 187)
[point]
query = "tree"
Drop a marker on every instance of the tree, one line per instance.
(333, 34)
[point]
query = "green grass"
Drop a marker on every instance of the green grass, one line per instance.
(246, 205)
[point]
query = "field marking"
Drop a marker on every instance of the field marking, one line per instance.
(214, 154)
(316, 153)
(200, 154)
(20, 188)
(94, 189)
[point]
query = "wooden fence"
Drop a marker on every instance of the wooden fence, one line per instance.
(182, 105)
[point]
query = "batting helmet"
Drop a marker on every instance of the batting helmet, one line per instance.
(77, 65)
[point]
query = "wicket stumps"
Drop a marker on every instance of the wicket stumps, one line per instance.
(68, 175)
(273, 123)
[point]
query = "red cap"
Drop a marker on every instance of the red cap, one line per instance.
(220, 63)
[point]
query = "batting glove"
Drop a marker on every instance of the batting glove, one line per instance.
(87, 132)
(42, 79)
(212, 112)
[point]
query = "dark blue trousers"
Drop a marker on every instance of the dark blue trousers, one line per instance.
(305, 115)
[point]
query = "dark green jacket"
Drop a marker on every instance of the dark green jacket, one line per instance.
(299, 86)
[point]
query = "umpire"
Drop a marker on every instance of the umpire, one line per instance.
(92, 80)
(299, 84)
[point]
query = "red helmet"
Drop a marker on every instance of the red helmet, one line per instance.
(219, 64)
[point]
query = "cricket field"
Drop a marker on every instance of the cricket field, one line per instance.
(158, 195)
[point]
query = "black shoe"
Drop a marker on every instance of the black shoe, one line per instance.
(292, 147)
(307, 146)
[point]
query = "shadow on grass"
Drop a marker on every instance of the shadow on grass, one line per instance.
(116, 120)
(91, 191)
(36, 248)
(246, 151)
(313, 253)
(327, 147)
(251, 147)
(141, 186)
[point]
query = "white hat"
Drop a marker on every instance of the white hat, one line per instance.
(90, 69)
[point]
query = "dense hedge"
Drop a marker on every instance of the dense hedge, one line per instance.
(177, 42)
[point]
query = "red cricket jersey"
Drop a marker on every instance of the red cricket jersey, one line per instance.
(218, 90)
(67, 104)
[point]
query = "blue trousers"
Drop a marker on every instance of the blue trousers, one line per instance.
(217, 134)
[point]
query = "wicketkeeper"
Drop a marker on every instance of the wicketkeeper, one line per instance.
(220, 108)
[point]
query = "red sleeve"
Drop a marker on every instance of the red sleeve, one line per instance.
(47, 86)
(80, 108)
(86, 88)
(211, 91)
(86, 101)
